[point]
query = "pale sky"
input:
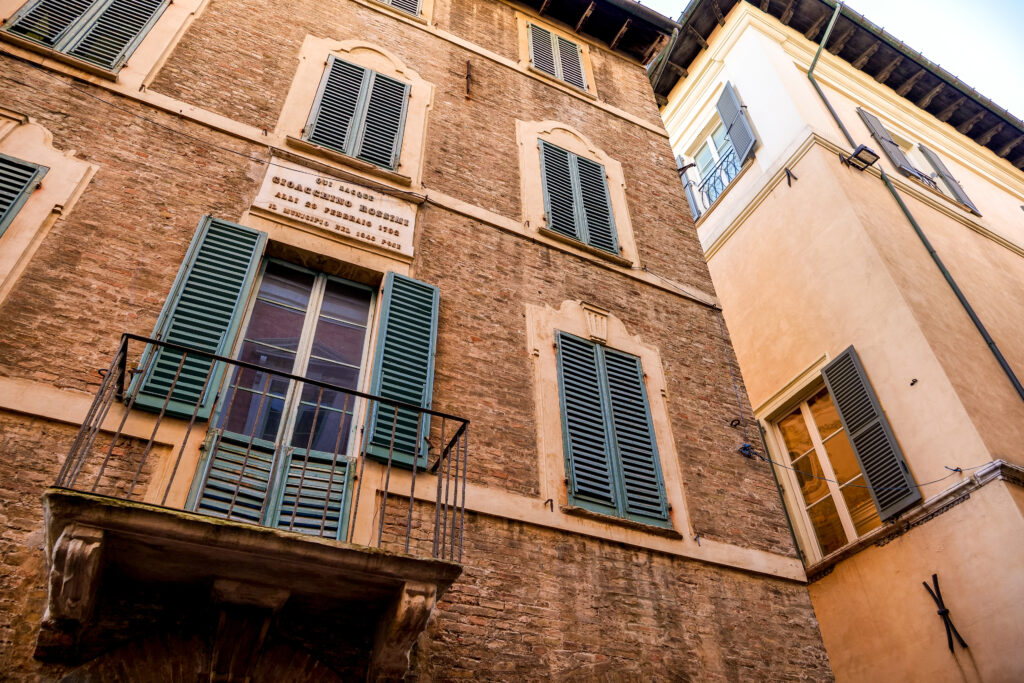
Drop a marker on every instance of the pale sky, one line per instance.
(981, 42)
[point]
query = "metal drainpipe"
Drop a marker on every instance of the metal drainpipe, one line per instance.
(993, 347)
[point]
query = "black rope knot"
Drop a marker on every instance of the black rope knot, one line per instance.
(943, 612)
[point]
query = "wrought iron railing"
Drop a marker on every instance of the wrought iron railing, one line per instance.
(717, 178)
(267, 447)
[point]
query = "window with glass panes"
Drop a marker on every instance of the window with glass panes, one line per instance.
(717, 164)
(835, 498)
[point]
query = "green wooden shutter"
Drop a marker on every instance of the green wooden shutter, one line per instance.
(403, 368)
(635, 444)
(890, 148)
(17, 180)
(48, 21)
(333, 119)
(410, 6)
(237, 480)
(872, 439)
(570, 61)
(585, 423)
(737, 127)
(947, 177)
(381, 136)
(596, 205)
(559, 195)
(203, 311)
(313, 494)
(116, 31)
(542, 52)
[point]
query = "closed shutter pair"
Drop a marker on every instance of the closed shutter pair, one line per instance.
(576, 199)
(904, 165)
(17, 180)
(101, 32)
(610, 450)
(359, 112)
(204, 311)
(556, 56)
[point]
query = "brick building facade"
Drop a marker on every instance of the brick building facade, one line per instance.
(221, 109)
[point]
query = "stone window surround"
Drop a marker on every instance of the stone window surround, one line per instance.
(24, 139)
(592, 322)
(312, 59)
(523, 22)
(152, 51)
(528, 133)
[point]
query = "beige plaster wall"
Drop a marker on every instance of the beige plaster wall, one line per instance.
(879, 623)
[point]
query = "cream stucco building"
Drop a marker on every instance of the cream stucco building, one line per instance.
(877, 315)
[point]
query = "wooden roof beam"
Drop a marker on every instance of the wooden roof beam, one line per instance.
(839, 43)
(579, 24)
(787, 14)
(948, 111)
(622, 32)
(1008, 147)
(966, 126)
(812, 32)
(683, 73)
(930, 95)
(887, 70)
(987, 136)
(1019, 161)
(910, 83)
(543, 6)
(719, 17)
(764, 5)
(866, 55)
(698, 36)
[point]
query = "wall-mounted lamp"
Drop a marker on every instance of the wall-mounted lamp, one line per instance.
(861, 159)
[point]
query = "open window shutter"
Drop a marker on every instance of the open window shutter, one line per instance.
(559, 197)
(737, 127)
(634, 436)
(584, 422)
(571, 60)
(112, 35)
(410, 6)
(596, 204)
(889, 146)
(203, 311)
(313, 495)
(332, 119)
(381, 137)
(403, 367)
(873, 442)
(47, 21)
(17, 180)
(542, 51)
(948, 179)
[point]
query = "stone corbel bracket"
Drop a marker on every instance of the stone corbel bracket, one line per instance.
(75, 564)
(399, 629)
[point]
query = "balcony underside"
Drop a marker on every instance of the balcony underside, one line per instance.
(246, 581)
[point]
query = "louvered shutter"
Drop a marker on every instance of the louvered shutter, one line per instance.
(17, 180)
(585, 423)
(542, 51)
(596, 205)
(947, 177)
(873, 442)
(634, 437)
(737, 127)
(333, 117)
(203, 311)
(559, 195)
(570, 59)
(410, 6)
(236, 481)
(47, 21)
(889, 146)
(381, 137)
(403, 368)
(114, 33)
(313, 490)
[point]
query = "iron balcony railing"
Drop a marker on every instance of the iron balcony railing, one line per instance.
(718, 178)
(267, 447)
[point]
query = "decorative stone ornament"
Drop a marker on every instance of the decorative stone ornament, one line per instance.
(597, 322)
